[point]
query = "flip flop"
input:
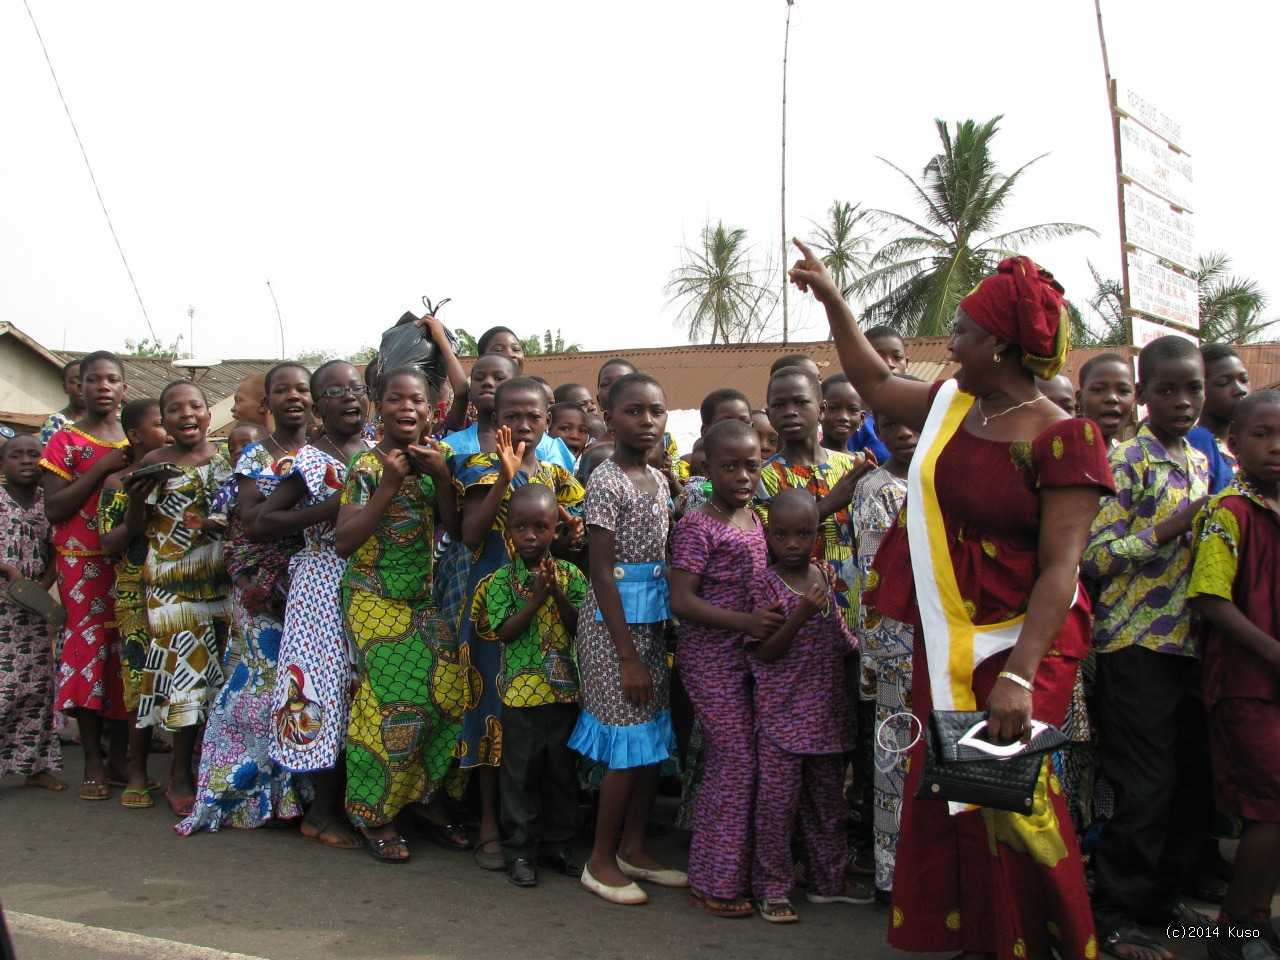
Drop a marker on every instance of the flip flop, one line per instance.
(152, 785)
(180, 806)
(320, 828)
(94, 790)
(37, 600)
(136, 800)
(729, 909)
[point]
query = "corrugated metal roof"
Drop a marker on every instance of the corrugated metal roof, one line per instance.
(8, 329)
(148, 376)
(689, 373)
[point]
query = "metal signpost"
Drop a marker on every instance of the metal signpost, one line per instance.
(1157, 230)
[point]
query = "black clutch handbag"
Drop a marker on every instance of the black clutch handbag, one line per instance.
(961, 765)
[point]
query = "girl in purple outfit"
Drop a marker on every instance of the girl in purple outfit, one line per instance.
(802, 719)
(717, 557)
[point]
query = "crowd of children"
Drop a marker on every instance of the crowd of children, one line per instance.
(364, 598)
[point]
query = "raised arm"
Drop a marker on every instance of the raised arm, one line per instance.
(480, 507)
(457, 376)
(904, 400)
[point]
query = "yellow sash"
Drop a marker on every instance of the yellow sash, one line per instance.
(954, 646)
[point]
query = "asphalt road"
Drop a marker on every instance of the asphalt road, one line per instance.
(95, 880)
(80, 879)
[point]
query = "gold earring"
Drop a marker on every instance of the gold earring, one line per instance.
(996, 357)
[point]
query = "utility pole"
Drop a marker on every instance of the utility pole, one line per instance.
(786, 42)
(279, 319)
(1115, 139)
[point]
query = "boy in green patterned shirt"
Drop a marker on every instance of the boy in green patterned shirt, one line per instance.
(531, 607)
(1148, 698)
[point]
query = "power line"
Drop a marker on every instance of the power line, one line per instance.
(84, 154)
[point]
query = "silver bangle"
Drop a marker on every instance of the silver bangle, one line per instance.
(1020, 681)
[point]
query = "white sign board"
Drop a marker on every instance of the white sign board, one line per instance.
(1161, 292)
(1148, 160)
(1144, 331)
(1153, 225)
(1148, 114)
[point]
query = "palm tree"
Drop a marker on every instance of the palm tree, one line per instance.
(547, 343)
(717, 282)
(1106, 326)
(467, 345)
(845, 240)
(1230, 306)
(920, 276)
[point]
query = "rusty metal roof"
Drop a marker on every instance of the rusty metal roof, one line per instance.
(148, 376)
(689, 373)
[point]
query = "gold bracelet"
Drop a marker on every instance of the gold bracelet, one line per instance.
(1020, 681)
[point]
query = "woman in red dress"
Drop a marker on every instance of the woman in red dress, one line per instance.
(1003, 490)
(76, 461)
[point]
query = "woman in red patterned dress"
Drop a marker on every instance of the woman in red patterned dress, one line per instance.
(998, 542)
(76, 461)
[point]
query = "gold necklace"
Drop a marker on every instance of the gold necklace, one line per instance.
(728, 516)
(274, 442)
(986, 419)
(343, 456)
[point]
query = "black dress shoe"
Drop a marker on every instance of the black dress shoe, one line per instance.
(520, 871)
(562, 864)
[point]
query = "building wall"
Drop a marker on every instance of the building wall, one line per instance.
(28, 382)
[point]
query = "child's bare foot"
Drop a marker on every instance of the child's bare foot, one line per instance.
(333, 832)
(45, 780)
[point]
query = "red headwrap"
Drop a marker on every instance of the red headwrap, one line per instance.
(1023, 304)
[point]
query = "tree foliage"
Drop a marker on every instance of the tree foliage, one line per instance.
(147, 347)
(548, 343)
(1230, 306)
(845, 240)
(919, 276)
(718, 285)
(1103, 325)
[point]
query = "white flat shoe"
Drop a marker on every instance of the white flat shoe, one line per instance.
(663, 878)
(629, 895)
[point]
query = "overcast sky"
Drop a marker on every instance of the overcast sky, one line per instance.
(542, 164)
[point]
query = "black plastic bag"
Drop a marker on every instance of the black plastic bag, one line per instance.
(408, 345)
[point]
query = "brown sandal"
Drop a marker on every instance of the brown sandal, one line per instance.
(729, 909)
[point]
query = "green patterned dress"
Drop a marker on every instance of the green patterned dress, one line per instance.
(412, 689)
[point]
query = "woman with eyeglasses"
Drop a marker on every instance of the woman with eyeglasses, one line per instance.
(312, 700)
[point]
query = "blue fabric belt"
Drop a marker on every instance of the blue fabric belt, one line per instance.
(643, 588)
